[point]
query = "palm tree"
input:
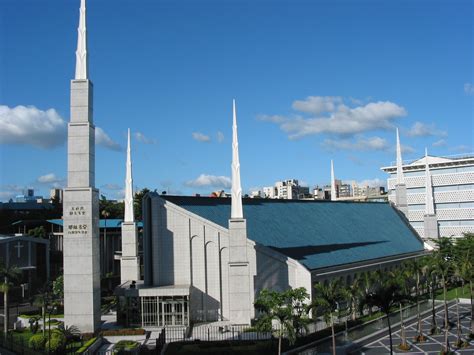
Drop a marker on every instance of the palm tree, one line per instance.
(354, 295)
(384, 294)
(416, 269)
(403, 277)
(327, 299)
(8, 274)
(464, 261)
(287, 307)
(42, 300)
(442, 267)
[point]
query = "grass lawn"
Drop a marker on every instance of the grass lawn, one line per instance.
(451, 294)
(223, 347)
(28, 316)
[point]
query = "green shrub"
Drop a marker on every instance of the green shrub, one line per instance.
(124, 345)
(37, 342)
(86, 345)
(57, 342)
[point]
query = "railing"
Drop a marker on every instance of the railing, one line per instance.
(213, 333)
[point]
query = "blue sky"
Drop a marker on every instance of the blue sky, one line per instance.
(313, 80)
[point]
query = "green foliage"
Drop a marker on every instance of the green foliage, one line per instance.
(86, 345)
(37, 342)
(110, 209)
(57, 341)
(125, 345)
(137, 203)
(38, 232)
(58, 287)
(289, 308)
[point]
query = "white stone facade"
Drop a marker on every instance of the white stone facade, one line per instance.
(186, 249)
(453, 190)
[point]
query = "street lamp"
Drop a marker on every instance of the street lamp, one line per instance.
(105, 214)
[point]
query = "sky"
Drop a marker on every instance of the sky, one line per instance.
(313, 81)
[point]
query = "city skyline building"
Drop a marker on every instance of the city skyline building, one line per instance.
(434, 187)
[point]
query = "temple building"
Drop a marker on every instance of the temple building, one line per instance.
(436, 194)
(206, 259)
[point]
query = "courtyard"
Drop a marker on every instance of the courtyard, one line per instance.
(434, 343)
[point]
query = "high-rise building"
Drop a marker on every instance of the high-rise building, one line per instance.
(446, 182)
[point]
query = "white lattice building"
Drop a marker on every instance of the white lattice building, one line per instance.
(452, 188)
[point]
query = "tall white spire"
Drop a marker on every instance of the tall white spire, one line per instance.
(429, 203)
(333, 183)
(82, 72)
(129, 217)
(400, 176)
(236, 211)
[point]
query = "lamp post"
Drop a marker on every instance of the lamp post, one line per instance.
(105, 214)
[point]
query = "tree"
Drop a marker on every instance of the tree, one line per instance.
(416, 269)
(287, 307)
(69, 332)
(464, 261)
(354, 294)
(442, 267)
(114, 209)
(137, 203)
(8, 275)
(326, 300)
(385, 293)
(58, 288)
(42, 300)
(38, 232)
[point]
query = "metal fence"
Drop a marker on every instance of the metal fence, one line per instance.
(213, 333)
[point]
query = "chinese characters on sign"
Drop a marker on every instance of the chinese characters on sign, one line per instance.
(77, 211)
(77, 229)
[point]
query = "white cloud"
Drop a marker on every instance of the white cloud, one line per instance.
(461, 148)
(406, 149)
(469, 89)
(317, 104)
(48, 179)
(101, 138)
(220, 136)
(272, 119)
(111, 187)
(372, 182)
(140, 137)
(200, 137)
(420, 129)
(330, 115)
(440, 143)
(31, 126)
(373, 143)
(8, 192)
(210, 180)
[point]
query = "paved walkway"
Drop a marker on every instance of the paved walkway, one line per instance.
(434, 343)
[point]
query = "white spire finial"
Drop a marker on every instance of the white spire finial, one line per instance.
(429, 203)
(129, 216)
(333, 183)
(236, 211)
(400, 176)
(82, 72)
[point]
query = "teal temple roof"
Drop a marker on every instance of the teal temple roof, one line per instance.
(316, 233)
